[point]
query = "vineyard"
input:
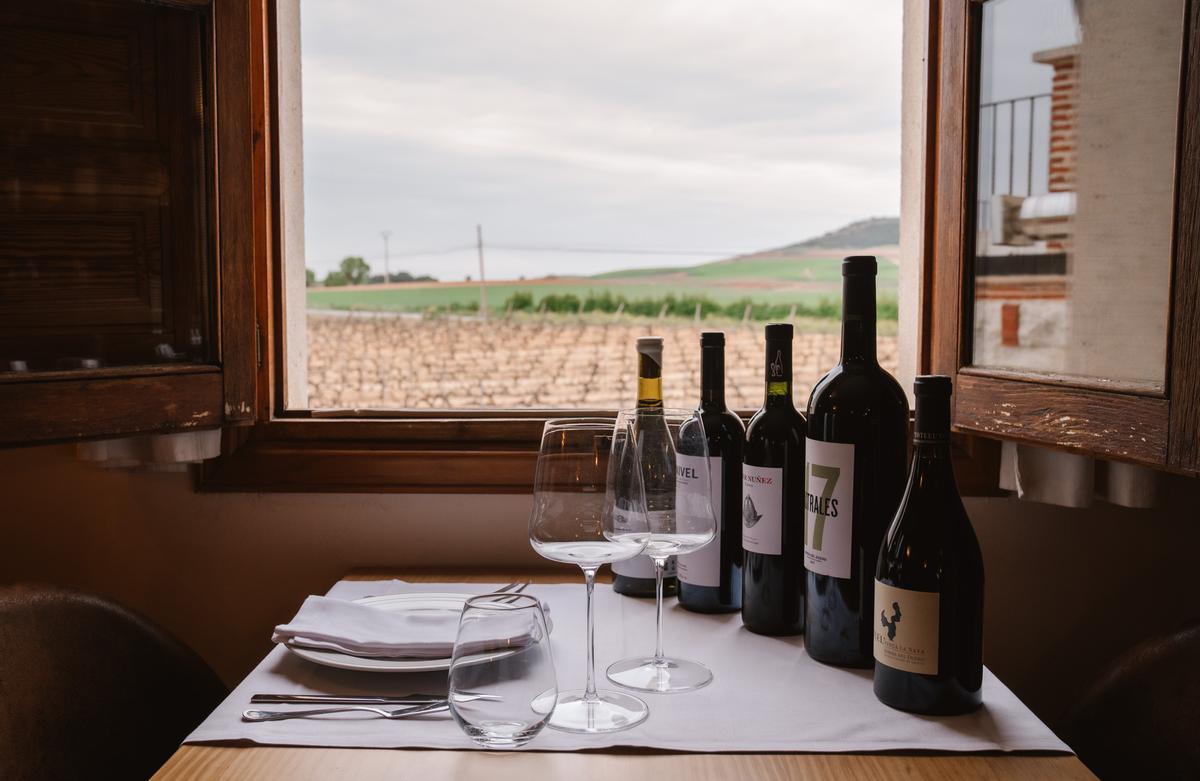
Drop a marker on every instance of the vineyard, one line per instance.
(391, 361)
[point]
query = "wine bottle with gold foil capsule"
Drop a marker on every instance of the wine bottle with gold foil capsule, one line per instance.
(636, 577)
(929, 580)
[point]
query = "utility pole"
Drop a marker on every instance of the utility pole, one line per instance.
(483, 309)
(387, 265)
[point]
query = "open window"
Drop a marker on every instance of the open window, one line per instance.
(127, 237)
(479, 210)
(1065, 239)
(182, 296)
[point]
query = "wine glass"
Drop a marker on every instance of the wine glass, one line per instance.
(589, 508)
(673, 449)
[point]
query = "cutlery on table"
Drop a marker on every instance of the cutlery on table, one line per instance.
(335, 699)
(513, 588)
(401, 713)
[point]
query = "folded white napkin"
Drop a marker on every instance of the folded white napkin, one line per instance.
(362, 630)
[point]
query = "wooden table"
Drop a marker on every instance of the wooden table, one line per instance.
(216, 762)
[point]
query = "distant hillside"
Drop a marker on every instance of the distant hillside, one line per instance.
(871, 232)
(808, 261)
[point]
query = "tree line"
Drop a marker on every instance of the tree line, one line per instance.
(354, 270)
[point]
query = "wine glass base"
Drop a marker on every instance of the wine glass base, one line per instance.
(610, 712)
(669, 675)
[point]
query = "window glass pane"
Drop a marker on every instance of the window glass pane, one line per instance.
(104, 256)
(544, 182)
(1075, 176)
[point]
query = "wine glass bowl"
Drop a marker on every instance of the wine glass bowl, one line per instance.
(589, 509)
(673, 450)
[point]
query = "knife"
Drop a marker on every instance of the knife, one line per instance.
(333, 699)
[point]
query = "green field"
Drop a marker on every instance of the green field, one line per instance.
(809, 282)
(761, 267)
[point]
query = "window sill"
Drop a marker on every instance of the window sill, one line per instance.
(436, 455)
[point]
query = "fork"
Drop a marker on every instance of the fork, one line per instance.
(515, 587)
(401, 713)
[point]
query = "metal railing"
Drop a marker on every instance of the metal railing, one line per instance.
(993, 110)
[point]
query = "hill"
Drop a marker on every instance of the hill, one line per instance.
(871, 232)
(807, 274)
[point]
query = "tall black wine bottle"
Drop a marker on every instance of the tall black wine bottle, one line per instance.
(929, 580)
(855, 455)
(773, 501)
(635, 577)
(710, 580)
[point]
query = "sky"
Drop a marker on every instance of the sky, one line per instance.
(693, 129)
(1013, 32)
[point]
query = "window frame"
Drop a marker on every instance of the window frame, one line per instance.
(1155, 425)
(64, 406)
(409, 451)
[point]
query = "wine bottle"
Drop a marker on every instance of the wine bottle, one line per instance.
(855, 457)
(929, 580)
(635, 577)
(773, 501)
(710, 579)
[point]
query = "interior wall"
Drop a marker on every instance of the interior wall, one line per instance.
(1066, 590)
(220, 570)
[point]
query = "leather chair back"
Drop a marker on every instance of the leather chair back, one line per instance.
(1142, 718)
(89, 689)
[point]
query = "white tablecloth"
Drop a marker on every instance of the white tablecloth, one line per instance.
(767, 694)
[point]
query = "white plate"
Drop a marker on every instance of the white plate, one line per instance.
(450, 603)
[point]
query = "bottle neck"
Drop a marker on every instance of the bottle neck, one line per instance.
(932, 467)
(712, 376)
(779, 373)
(858, 319)
(931, 441)
(649, 383)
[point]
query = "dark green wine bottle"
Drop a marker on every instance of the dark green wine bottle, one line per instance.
(855, 454)
(929, 580)
(773, 501)
(710, 579)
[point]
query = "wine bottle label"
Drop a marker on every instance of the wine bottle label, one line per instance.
(828, 507)
(642, 567)
(906, 629)
(702, 567)
(762, 509)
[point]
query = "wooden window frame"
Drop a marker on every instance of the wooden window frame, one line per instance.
(1153, 425)
(61, 406)
(411, 451)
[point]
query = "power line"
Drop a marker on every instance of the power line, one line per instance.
(559, 248)
(617, 250)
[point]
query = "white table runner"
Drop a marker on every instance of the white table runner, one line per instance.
(766, 696)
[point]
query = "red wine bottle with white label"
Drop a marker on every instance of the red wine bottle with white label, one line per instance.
(855, 454)
(773, 501)
(636, 577)
(710, 579)
(929, 580)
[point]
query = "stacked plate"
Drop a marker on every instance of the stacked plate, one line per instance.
(415, 602)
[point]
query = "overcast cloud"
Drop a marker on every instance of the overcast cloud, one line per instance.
(708, 125)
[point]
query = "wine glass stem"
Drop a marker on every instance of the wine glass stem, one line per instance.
(659, 566)
(589, 694)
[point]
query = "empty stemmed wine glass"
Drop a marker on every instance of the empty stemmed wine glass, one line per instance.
(589, 509)
(673, 450)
